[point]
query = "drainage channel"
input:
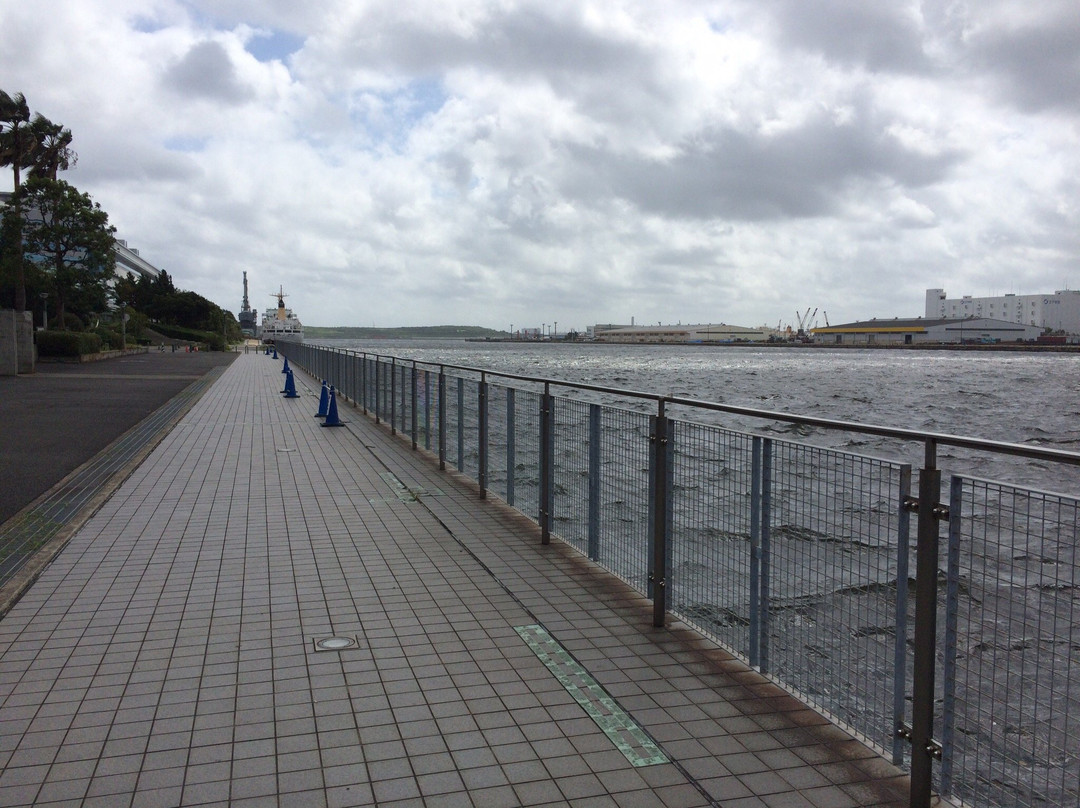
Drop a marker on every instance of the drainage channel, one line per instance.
(72, 501)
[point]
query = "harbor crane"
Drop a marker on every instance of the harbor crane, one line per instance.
(804, 321)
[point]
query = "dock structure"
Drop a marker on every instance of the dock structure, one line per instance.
(271, 613)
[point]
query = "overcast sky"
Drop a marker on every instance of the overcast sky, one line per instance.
(492, 162)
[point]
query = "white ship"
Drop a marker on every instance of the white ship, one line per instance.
(280, 323)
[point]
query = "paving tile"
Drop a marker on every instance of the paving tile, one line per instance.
(166, 657)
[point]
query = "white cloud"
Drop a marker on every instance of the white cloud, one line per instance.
(496, 161)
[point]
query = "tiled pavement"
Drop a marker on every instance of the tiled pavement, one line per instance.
(168, 656)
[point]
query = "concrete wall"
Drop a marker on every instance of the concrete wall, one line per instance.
(16, 343)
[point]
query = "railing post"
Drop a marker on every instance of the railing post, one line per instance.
(393, 396)
(415, 419)
(903, 552)
(377, 390)
(442, 418)
(755, 552)
(594, 482)
(547, 451)
(363, 383)
(427, 409)
(923, 748)
(511, 449)
(660, 494)
(952, 614)
(482, 436)
(404, 397)
(766, 554)
(461, 423)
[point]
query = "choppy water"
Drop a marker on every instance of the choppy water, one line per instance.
(832, 625)
(1031, 399)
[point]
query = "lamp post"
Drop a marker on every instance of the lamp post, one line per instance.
(44, 311)
(123, 331)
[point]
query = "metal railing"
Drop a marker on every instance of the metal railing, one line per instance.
(964, 666)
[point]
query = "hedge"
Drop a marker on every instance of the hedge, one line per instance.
(67, 343)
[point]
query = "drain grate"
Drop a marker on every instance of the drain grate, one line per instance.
(338, 642)
(624, 732)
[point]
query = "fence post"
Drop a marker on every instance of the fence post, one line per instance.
(511, 449)
(442, 418)
(660, 494)
(766, 554)
(903, 552)
(427, 409)
(482, 437)
(547, 450)
(377, 390)
(363, 383)
(952, 609)
(393, 396)
(461, 423)
(755, 552)
(923, 747)
(594, 482)
(415, 420)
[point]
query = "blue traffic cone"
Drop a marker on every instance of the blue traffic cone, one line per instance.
(290, 387)
(285, 368)
(275, 352)
(331, 413)
(324, 401)
(267, 350)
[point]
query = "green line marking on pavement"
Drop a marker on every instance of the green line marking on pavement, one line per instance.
(623, 731)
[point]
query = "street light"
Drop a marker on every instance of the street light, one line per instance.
(44, 312)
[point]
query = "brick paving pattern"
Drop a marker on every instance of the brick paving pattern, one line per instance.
(169, 656)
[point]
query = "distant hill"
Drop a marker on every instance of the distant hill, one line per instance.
(408, 332)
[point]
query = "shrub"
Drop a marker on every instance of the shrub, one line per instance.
(67, 343)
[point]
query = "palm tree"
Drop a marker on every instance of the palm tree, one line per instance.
(16, 144)
(40, 145)
(51, 148)
(15, 150)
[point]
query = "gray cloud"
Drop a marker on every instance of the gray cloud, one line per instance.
(853, 33)
(1037, 67)
(733, 175)
(206, 71)
(539, 160)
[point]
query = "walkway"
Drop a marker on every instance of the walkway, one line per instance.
(170, 655)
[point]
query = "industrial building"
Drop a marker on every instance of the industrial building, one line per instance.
(1057, 312)
(680, 334)
(916, 331)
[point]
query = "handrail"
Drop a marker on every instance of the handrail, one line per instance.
(897, 433)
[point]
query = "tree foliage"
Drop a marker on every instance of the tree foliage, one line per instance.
(70, 238)
(163, 303)
(26, 143)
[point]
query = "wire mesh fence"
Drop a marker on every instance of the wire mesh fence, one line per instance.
(1010, 718)
(795, 557)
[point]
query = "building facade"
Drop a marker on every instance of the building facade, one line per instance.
(1057, 312)
(917, 331)
(682, 334)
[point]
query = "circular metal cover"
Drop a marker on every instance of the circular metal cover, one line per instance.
(335, 643)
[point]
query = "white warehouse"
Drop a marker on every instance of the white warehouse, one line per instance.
(1057, 312)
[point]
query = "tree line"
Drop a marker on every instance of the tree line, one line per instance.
(56, 242)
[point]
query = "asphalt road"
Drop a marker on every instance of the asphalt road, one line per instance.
(55, 420)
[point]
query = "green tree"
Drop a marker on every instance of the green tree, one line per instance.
(36, 144)
(71, 238)
(15, 152)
